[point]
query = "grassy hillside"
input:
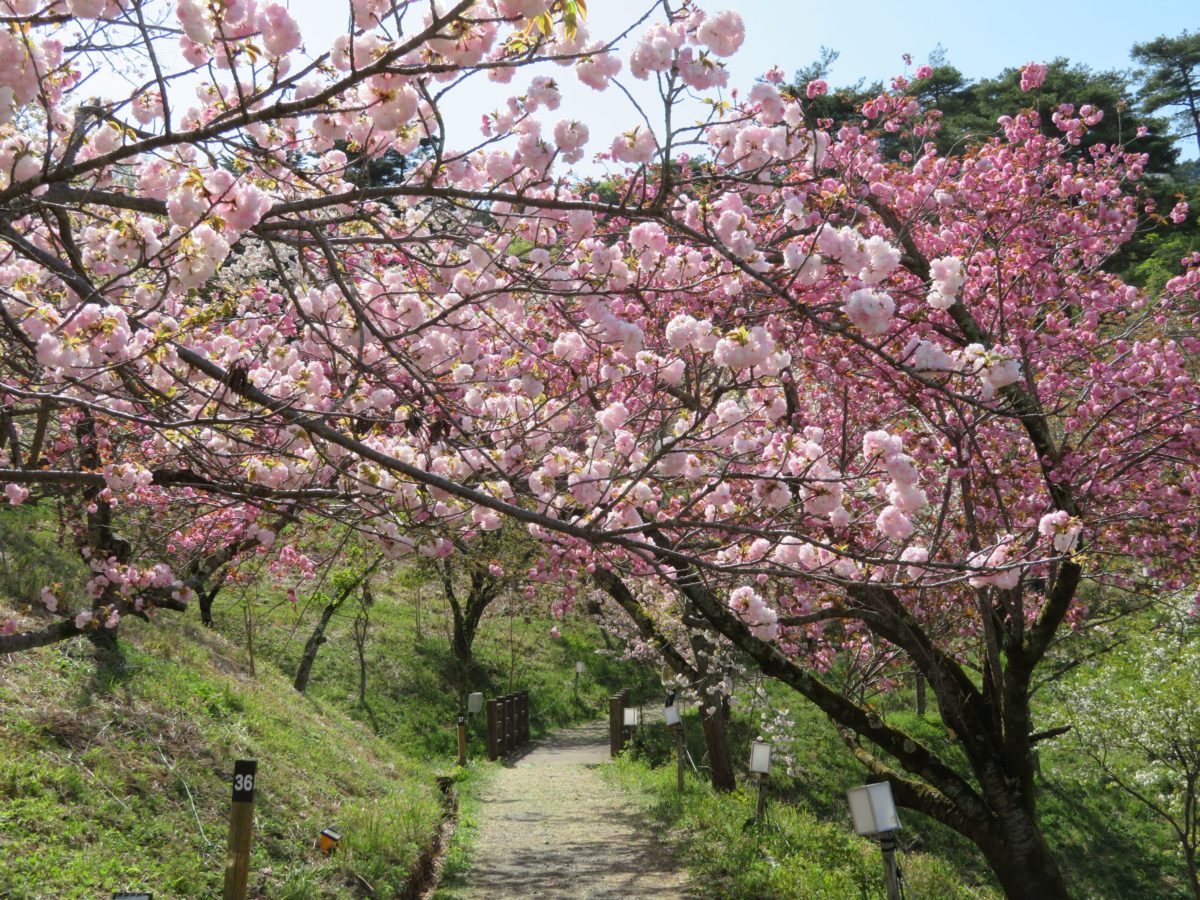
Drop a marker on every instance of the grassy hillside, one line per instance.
(115, 770)
(410, 695)
(115, 761)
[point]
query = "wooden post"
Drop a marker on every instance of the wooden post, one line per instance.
(510, 731)
(241, 823)
(524, 695)
(616, 724)
(493, 729)
(462, 740)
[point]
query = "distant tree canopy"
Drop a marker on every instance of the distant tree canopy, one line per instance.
(970, 110)
(1170, 79)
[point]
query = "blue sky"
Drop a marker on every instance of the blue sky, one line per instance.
(980, 38)
(871, 35)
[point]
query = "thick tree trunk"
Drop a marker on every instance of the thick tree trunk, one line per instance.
(462, 640)
(1021, 860)
(716, 742)
(715, 727)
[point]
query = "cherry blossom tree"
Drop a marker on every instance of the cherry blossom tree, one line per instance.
(844, 407)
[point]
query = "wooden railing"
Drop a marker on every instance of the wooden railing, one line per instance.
(507, 724)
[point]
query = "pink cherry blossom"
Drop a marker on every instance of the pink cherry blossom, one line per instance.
(280, 33)
(722, 32)
(1032, 76)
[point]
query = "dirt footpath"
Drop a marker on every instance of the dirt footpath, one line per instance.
(550, 827)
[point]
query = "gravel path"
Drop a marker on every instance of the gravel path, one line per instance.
(550, 827)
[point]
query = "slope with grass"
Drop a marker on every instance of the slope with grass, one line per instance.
(116, 757)
(413, 681)
(115, 766)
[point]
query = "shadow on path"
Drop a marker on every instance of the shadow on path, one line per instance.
(550, 827)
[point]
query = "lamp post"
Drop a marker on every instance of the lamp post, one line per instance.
(760, 766)
(874, 813)
(578, 672)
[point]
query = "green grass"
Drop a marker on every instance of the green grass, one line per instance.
(457, 860)
(115, 770)
(794, 853)
(1108, 846)
(114, 766)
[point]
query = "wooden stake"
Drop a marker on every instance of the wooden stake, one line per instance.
(616, 724)
(241, 824)
(462, 740)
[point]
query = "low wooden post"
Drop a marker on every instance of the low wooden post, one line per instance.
(506, 716)
(462, 740)
(524, 720)
(616, 724)
(510, 733)
(241, 824)
(761, 809)
(493, 729)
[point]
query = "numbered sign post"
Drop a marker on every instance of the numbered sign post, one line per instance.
(462, 740)
(241, 822)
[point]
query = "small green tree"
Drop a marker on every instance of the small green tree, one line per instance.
(1138, 718)
(479, 572)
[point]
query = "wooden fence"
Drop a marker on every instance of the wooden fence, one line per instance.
(507, 724)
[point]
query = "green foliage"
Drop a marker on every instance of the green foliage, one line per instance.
(974, 109)
(1136, 719)
(412, 674)
(1109, 846)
